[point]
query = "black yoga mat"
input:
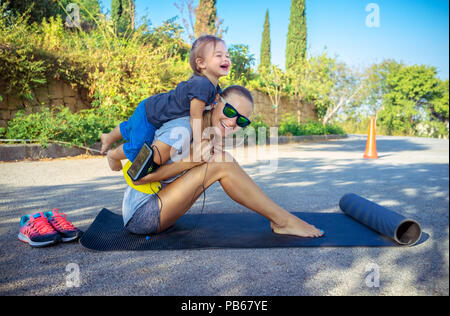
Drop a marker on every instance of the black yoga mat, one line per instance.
(233, 230)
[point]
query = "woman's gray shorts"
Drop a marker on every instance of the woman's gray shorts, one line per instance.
(146, 218)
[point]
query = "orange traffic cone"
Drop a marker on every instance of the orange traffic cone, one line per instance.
(371, 146)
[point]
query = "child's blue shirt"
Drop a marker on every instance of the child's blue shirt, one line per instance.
(176, 103)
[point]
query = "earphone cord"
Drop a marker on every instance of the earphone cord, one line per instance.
(204, 195)
(160, 160)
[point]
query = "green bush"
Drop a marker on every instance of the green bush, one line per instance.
(333, 129)
(433, 129)
(290, 126)
(59, 124)
(257, 123)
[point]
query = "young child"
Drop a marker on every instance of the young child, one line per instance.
(209, 59)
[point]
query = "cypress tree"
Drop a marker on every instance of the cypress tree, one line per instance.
(265, 62)
(296, 38)
(123, 14)
(205, 18)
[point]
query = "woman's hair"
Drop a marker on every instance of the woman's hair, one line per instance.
(240, 90)
(198, 50)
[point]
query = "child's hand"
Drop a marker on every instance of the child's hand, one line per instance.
(216, 100)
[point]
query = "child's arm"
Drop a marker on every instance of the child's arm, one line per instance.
(197, 108)
(197, 125)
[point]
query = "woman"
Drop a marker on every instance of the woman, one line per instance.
(147, 214)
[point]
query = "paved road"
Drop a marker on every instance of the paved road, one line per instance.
(411, 177)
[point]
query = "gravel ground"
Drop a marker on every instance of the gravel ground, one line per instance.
(410, 177)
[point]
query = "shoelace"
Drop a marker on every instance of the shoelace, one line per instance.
(61, 221)
(42, 226)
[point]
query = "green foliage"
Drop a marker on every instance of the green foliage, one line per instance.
(434, 129)
(439, 105)
(296, 38)
(21, 70)
(313, 79)
(265, 45)
(411, 91)
(290, 126)
(83, 128)
(241, 65)
(259, 125)
(123, 15)
(168, 35)
(118, 72)
(37, 10)
(205, 18)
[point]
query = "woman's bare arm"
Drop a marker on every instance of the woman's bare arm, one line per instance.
(168, 171)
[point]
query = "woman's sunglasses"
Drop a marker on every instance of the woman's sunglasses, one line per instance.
(230, 111)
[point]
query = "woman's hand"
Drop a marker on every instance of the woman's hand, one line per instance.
(144, 180)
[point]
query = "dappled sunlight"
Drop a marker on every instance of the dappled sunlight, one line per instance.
(296, 184)
(311, 181)
(411, 192)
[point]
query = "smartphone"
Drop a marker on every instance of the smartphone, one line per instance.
(143, 164)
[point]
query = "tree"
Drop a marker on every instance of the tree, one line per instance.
(206, 20)
(242, 62)
(265, 60)
(412, 91)
(40, 9)
(330, 85)
(345, 91)
(439, 106)
(123, 15)
(296, 38)
(376, 86)
(274, 81)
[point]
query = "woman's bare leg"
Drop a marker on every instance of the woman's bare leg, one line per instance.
(178, 197)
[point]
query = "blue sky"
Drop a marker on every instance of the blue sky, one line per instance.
(413, 32)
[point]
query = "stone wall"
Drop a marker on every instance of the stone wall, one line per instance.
(53, 94)
(263, 106)
(60, 93)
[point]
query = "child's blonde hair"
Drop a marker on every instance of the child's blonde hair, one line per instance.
(198, 50)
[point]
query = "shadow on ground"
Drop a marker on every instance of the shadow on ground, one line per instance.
(418, 190)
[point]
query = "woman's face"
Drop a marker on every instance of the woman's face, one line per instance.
(227, 125)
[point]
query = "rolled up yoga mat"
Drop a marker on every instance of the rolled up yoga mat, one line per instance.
(386, 222)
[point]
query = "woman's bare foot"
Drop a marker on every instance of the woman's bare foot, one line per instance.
(114, 164)
(105, 143)
(297, 227)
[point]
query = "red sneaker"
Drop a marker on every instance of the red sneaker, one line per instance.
(36, 231)
(59, 222)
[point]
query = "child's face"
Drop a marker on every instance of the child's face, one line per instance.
(217, 61)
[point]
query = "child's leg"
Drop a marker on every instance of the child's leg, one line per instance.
(114, 158)
(110, 138)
